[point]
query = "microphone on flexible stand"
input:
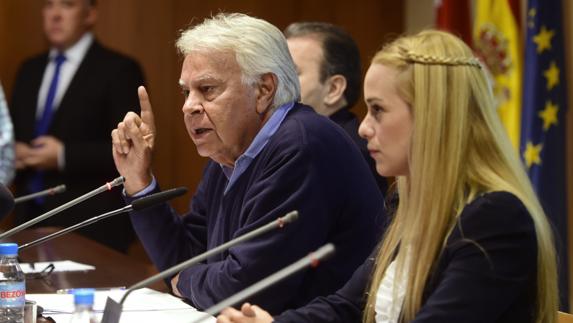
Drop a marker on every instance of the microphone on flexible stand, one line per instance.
(6, 201)
(112, 311)
(48, 192)
(312, 260)
(107, 187)
(136, 205)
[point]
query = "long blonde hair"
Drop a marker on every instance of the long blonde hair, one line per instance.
(459, 150)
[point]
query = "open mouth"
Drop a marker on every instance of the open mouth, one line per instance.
(200, 131)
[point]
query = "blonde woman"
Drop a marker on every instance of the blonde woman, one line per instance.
(469, 241)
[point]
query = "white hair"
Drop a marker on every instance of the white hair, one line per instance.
(259, 48)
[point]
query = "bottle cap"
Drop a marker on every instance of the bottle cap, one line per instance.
(8, 249)
(84, 296)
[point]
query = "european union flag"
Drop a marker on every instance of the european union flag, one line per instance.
(543, 121)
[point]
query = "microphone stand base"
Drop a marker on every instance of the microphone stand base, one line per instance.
(112, 311)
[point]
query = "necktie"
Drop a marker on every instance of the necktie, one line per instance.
(43, 123)
(36, 183)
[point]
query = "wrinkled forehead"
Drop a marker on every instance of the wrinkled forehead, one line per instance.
(212, 63)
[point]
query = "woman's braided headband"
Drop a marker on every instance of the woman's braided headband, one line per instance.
(438, 60)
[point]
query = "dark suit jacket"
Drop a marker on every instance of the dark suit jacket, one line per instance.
(101, 92)
(486, 273)
(349, 122)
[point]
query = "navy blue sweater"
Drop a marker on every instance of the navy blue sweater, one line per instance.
(309, 165)
(486, 273)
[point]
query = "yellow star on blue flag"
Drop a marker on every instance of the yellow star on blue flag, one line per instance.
(532, 154)
(552, 75)
(549, 115)
(543, 39)
(542, 135)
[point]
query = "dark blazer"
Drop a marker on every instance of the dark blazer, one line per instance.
(101, 92)
(486, 273)
(349, 122)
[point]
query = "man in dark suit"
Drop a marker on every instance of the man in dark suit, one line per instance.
(328, 66)
(64, 105)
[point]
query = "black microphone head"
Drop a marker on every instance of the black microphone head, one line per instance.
(6, 201)
(157, 198)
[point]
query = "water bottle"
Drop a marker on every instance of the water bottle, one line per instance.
(84, 302)
(12, 285)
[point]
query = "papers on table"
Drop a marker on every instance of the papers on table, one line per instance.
(64, 265)
(144, 305)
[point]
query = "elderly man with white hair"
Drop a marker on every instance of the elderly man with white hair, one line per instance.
(269, 155)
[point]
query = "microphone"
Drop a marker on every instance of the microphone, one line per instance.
(6, 201)
(50, 191)
(112, 311)
(312, 260)
(107, 187)
(136, 205)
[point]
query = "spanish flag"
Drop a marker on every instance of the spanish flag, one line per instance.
(454, 16)
(498, 42)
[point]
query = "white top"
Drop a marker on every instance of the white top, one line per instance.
(390, 296)
(74, 56)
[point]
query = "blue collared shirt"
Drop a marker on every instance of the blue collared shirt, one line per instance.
(260, 141)
(243, 162)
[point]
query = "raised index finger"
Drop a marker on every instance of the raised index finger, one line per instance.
(146, 111)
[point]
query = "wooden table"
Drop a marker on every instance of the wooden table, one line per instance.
(113, 269)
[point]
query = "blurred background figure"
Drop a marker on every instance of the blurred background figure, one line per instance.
(65, 102)
(6, 142)
(327, 61)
